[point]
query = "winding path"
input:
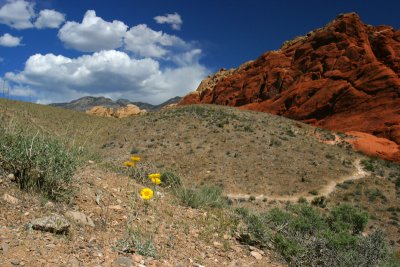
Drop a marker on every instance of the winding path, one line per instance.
(325, 191)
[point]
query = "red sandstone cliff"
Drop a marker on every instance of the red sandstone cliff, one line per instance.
(344, 77)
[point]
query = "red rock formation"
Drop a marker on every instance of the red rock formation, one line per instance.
(343, 77)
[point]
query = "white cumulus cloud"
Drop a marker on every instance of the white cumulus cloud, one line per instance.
(56, 78)
(174, 20)
(93, 34)
(17, 14)
(49, 19)
(9, 40)
(146, 42)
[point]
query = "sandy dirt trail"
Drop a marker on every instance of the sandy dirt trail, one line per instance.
(325, 191)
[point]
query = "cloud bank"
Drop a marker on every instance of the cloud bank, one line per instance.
(136, 63)
(108, 73)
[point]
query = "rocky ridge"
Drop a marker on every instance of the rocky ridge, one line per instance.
(89, 102)
(343, 77)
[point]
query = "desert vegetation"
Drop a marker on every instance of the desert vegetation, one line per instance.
(156, 189)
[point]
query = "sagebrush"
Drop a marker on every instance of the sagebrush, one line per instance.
(38, 162)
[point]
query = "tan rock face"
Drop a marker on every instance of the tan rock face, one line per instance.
(101, 111)
(343, 77)
(123, 112)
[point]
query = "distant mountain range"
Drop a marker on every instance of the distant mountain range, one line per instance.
(88, 102)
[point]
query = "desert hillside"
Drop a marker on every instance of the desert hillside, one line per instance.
(237, 188)
(89, 102)
(343, 77)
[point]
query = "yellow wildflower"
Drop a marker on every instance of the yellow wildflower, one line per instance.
(135, 158)
(155, 178)
(129, 164)
(146, 193)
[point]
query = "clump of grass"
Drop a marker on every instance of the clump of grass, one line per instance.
(40, 163)
(255, 231)
(137, 242)
(169, 179)
(306, 237)
(319, 201)
(203, 197)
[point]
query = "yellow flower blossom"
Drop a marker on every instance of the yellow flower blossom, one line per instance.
(129, 164)
(146, 193)
(155, 178)
(135, 158)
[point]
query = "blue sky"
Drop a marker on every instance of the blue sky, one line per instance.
(58, 50)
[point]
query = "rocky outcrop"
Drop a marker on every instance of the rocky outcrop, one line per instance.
(343, 77)
(374, 146)
(122, 112)
(101, 111)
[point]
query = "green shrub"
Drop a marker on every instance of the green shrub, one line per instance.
(169, 179)
(307, 220)
(397, 183)
(138, 242)
(39, 163)
(368, 165)
(348, 218)
(319, 201)
(305, 237)
(279, 217)
(255, 231)
(203, 197)
(288, 247)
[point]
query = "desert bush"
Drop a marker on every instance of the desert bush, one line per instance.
(319, 201)
(39, 162)
(203, 197)
(255, 231)
(169, 179)
(347, 218)
(138, 242)
(306, 237)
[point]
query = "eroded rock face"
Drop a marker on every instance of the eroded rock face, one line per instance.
(122, 112)
(101, 111)
(343, 77)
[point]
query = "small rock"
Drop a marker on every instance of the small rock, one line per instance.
(123, 261)
(235, 264)
(90, 161)
(4, 247)
(237, 249)
(79, 218)
(49, 205)
(256, 255)
(10, 199)
(115, 207)
(54, 223)
(257, 250)
(73, 262)
(15, 262)
(137, 258)
(11, 176)
(217, 244)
